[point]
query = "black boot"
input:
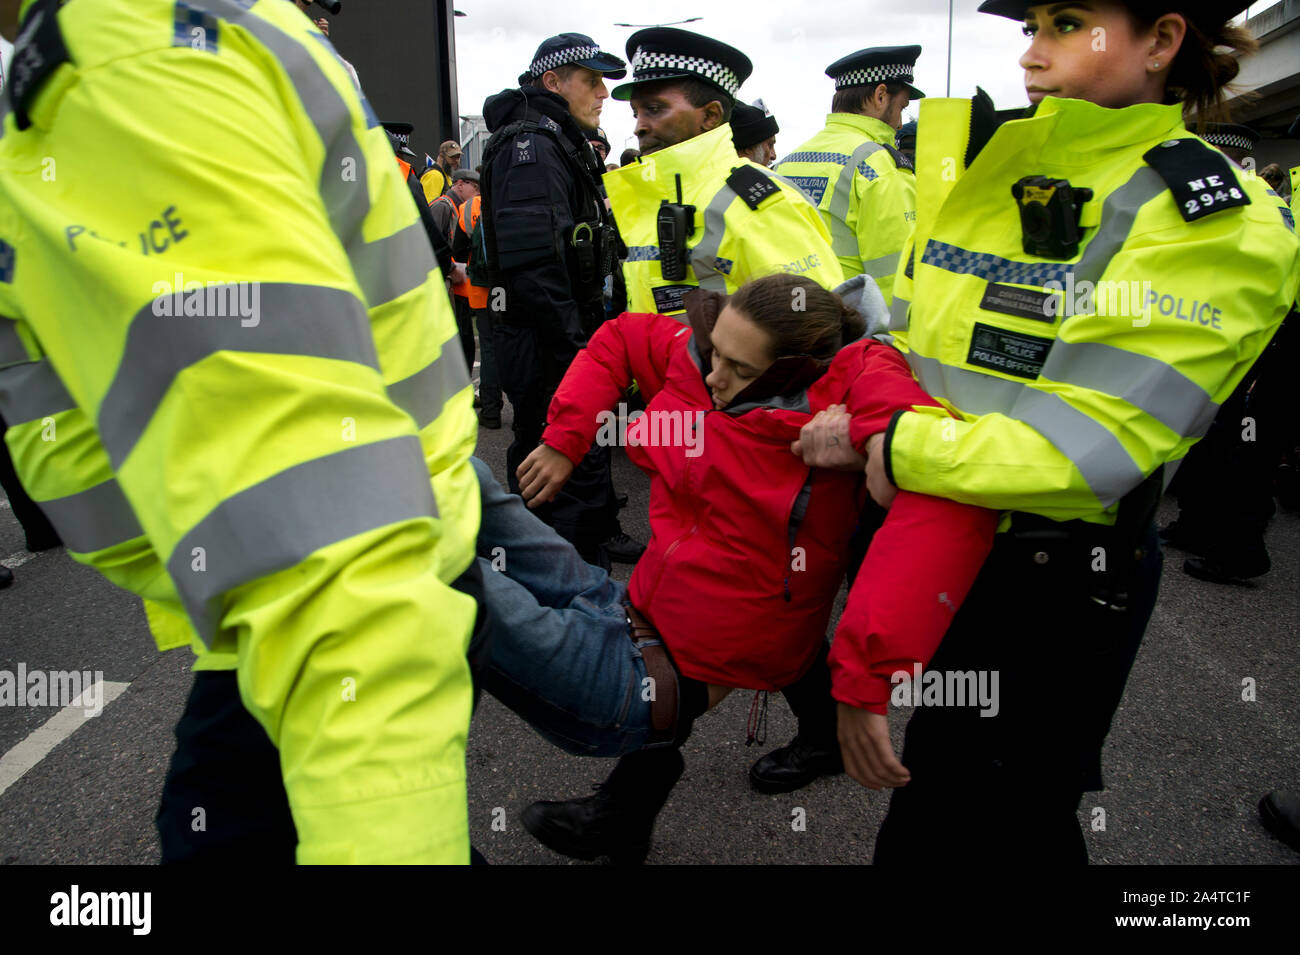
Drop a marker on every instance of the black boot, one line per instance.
(1280, 813)
(815, 750)
(617, 821)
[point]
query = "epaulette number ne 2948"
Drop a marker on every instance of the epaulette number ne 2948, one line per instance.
(1199, 176)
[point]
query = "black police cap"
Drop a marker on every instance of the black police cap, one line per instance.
(879, 64)
(662, 53)
(751, 126)
(1212, 12)
(573, 48)
(1230, 136)
(399, 134)
(906, 135)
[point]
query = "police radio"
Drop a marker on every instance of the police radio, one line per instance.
(675, 224)
(1049, 215)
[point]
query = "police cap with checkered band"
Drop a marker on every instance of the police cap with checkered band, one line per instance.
(1230, 136)
(664, 53)
(879, 64)
(572, 48)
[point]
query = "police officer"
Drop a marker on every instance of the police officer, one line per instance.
(549, 246)
(862, 184)
(399, 135)
(689, 211)
(1240, 453)
(1068, 410)
(753, 132)
(272, 449)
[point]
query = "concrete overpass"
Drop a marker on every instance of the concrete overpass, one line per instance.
(1273, 75)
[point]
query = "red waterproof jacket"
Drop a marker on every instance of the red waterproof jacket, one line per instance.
(749, 545)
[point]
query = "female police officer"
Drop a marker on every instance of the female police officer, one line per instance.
(1085, 285)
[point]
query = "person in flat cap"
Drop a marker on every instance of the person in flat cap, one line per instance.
(692, 214)
(1059, 394)
(550, 244)
(753, 132)
(861, 183)
(1236, 141)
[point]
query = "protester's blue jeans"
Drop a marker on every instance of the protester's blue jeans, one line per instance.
(559, 653)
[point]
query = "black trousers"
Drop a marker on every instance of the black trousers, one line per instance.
(465, 329)
(223, 800)
(36, 526)
(1004, 789)
(530, 368)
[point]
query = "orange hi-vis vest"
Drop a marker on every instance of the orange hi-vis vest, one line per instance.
(468, 216)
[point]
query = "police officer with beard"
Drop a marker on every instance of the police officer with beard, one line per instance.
(550, 245)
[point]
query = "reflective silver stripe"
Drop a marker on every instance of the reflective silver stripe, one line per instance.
(704, 256)
(423, 394)
(1107, 468)
(388, 267)
(1171, 468)
(285, 519)
(308, 320)
(1160, 390)
(879, 268)
(1117, 215)
(94, 519)
(12, 349)
(843, 239)
(898, 314)
(31, 391)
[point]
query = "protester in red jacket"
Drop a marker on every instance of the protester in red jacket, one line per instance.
(749, 544)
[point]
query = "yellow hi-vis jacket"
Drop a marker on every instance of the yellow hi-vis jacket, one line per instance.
(1076, 379)
(737, 238)
(233, 384)
(867, 200)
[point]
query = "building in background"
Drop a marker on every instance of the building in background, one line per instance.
(1273, 77)
(473, 140)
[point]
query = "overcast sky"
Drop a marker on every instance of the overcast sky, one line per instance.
(790, 43)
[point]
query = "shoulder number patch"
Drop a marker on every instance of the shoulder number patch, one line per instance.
(751, 185)
(1200, 177)
(524, 151)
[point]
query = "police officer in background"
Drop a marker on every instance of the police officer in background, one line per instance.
(549, 246)
(753, 132)
(689, 212)
(905, 142)
(860, 182)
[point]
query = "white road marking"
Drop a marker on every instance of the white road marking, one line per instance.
(17, 560)
(15, 763)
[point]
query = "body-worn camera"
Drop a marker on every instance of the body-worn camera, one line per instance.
(1049, 215)
(674, 225)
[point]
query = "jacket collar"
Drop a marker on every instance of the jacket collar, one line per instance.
(877, 130)
(1079, 132)
(705, 151)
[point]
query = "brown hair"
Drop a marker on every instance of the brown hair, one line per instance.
(851, 99)
(1201, 72)
(563, 72)
(815, 323)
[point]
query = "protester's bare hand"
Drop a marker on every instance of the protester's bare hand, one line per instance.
(458, 274)
(824, 441)
(868, 752)
(880, 488)
(323, 25)
(542, 474)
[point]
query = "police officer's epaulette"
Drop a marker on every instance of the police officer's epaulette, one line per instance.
(1199, 176)
(38, 52)
(752, 185)
(901, 161)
